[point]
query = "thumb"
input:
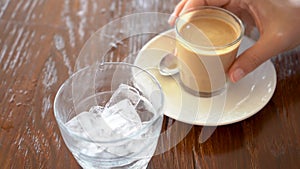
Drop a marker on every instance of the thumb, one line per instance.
(176, 12)
(250, 59)
(183, 6)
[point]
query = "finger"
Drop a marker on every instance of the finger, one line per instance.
(195, 3)
(176, 12)
(218, 2)
(191, 4)
(249, 60)
(185, 5)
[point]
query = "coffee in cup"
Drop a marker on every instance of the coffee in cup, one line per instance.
(207, 41)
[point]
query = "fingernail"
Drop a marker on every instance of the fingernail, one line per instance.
(237, 75)
(171, 19)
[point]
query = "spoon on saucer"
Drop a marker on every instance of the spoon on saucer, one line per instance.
(168, 65)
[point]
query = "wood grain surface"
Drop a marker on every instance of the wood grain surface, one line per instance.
(40, 41)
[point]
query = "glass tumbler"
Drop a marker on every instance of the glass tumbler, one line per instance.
(110, 115)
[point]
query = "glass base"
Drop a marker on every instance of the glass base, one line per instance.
(203, 94)
(122, 163)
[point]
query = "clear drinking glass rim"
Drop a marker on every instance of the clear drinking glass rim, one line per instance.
(158, 115)
(238, 20)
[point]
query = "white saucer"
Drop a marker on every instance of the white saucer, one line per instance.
(242, 100)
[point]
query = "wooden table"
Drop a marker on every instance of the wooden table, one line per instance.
(39, 43)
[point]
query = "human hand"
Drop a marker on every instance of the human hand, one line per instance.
(278, 23)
